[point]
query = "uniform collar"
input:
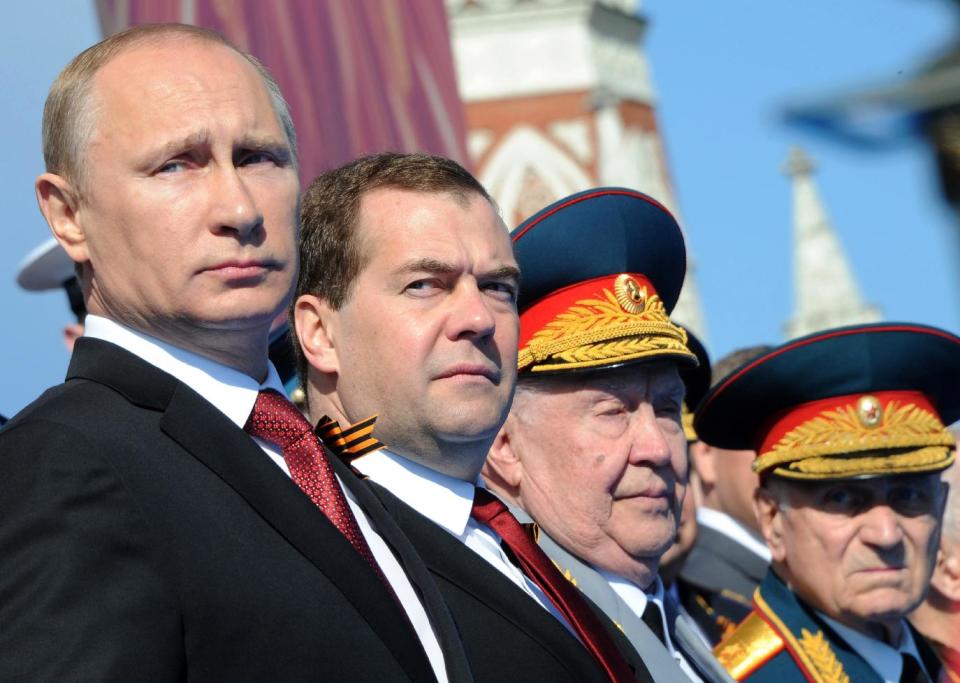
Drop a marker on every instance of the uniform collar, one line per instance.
(884, 658)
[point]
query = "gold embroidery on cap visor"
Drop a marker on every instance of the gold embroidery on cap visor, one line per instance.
(610, 328)
(869, 439)
(686, 419)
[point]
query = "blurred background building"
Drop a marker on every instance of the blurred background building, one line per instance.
(546, 97)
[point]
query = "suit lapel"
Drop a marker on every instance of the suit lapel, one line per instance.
(632, 636)
(457, 665)
(207, 434)
(683, 632)
(447, 557)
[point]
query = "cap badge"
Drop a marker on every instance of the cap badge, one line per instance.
(869, 411)
(630, 295)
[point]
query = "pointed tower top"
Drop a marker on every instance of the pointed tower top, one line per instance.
(826, 292)
(798, 163)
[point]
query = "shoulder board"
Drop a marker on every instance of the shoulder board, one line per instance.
(751, 645)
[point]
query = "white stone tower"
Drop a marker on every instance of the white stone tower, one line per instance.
(826, 293)
(559, 98)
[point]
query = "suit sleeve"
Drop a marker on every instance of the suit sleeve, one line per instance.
(82, 593)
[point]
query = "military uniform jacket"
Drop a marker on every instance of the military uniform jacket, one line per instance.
(643, 643)
(717, 581)
(783, 641)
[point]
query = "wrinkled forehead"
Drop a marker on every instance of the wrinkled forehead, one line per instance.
(385, 207)
(649, 378)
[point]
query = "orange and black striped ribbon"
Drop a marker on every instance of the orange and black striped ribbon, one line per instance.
(350, 443)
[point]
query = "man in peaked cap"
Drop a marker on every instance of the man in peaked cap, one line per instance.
(729, 558)
(593, 453)
(48, 267)
(849, 429)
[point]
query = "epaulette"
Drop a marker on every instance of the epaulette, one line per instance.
(750, 646)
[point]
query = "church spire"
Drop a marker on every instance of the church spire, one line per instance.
(826, 293)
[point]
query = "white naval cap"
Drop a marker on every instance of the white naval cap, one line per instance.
(46, 267)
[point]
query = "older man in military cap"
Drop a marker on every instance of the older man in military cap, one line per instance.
(849, 429)
(593, 450)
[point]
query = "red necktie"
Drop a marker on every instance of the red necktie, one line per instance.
(277, 420)
(487, 509)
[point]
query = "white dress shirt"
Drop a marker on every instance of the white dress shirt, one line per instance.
(448, 501)
(885, 659)
(731, 528)
(234, 394)
(636, 599)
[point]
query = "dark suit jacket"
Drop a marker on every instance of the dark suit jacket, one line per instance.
(507, 636)
(717, 582)
(143, 536)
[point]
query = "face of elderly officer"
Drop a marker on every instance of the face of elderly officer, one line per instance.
(184, 214)
(427, 335)
(860, 551)
(599, 461)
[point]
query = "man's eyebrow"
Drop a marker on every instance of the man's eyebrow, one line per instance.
(438, 267)
(267, 143)
(426, 265)
(202, 137)
(170, 148)
(504, 273)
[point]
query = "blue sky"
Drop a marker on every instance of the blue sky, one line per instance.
(722, 70)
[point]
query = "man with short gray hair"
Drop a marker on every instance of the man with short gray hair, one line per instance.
(165, 513)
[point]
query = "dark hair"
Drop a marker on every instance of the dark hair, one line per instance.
(736, 359)
(331, 255)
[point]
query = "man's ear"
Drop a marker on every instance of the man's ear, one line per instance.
(59, 203)
(503, 469)
(769, 512)
(314, 321)
(703, 460)
(946, 575)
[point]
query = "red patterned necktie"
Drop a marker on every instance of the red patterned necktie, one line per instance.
(277, 420)
(487, 509)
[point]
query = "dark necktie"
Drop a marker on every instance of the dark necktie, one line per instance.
(912, 671)
(654, 620)
(488, 510)
(277, 420)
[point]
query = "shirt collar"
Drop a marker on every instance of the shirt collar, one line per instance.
(229, 390)
(443, 499)
(731, 528)
(883, 658)
(636, 598)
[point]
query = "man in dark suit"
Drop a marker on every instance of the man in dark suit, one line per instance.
(406, 307)
(143, 534)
